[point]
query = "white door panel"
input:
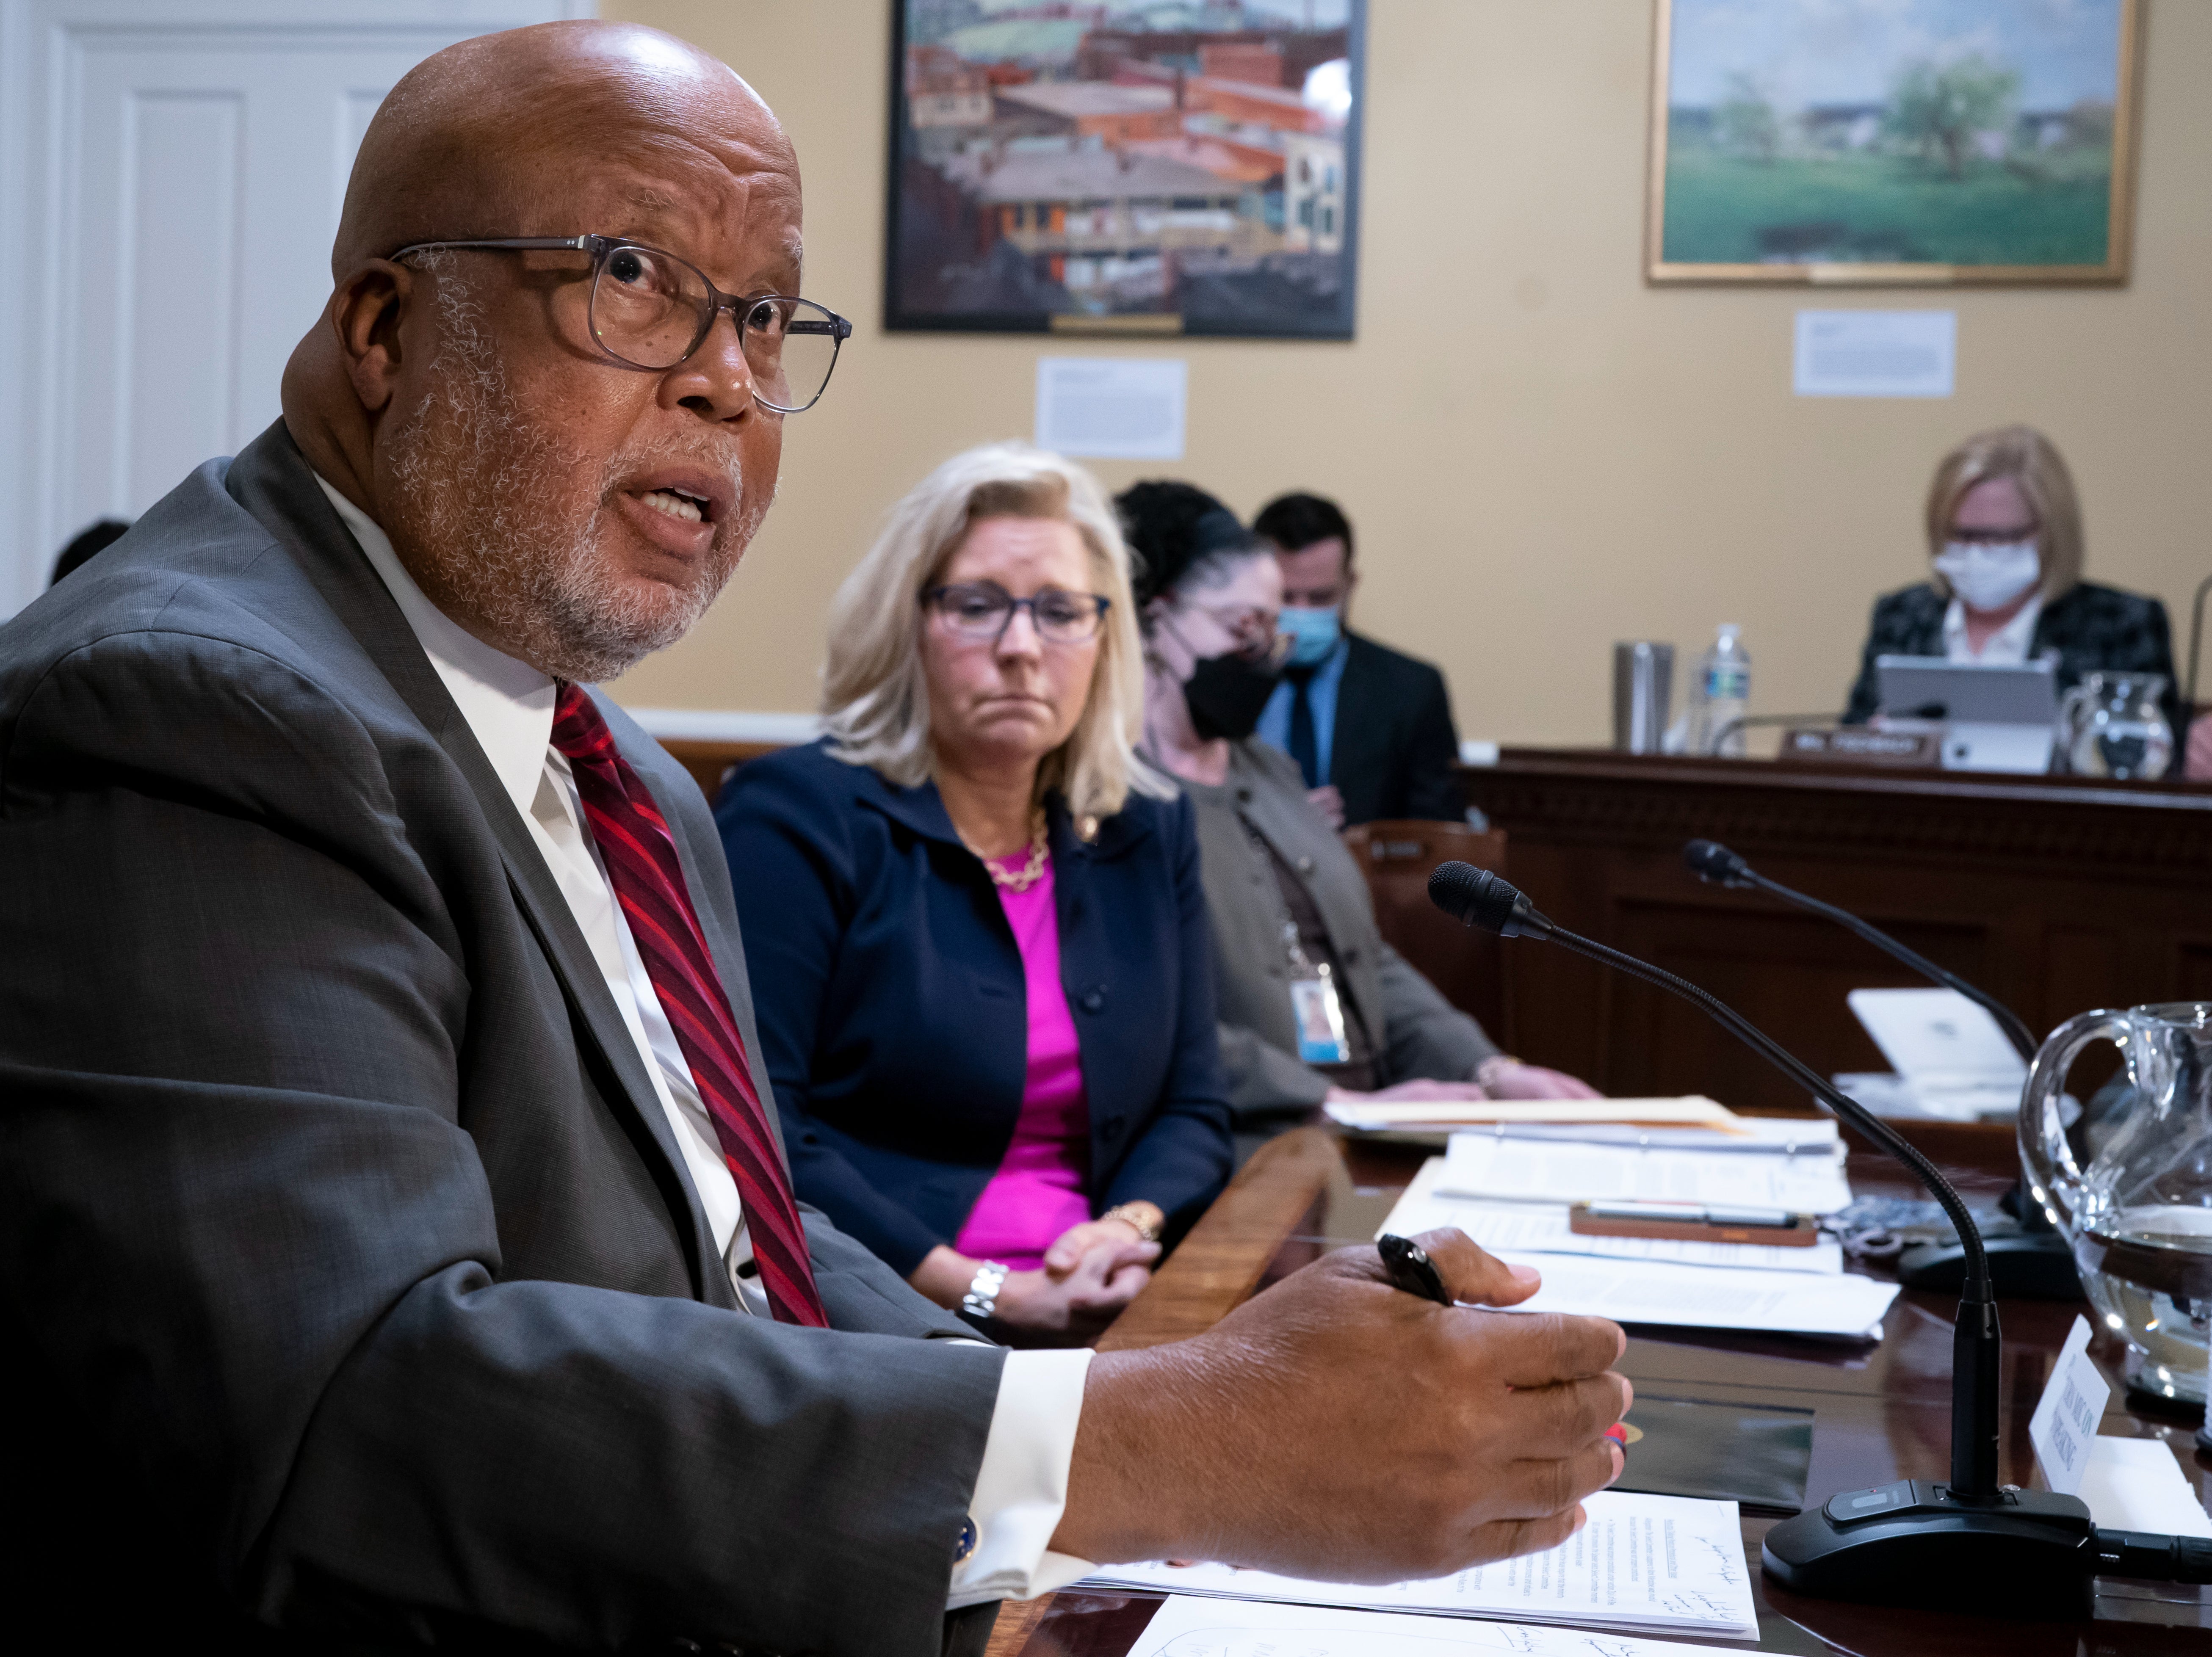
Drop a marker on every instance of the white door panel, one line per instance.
(178, 166)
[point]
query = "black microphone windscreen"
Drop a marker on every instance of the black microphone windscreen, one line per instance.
(1708, 859)
(1475, 897)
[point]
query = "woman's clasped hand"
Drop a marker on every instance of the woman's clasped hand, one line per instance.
(1090, 1272)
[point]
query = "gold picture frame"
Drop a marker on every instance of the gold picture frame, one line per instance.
(2041, 167)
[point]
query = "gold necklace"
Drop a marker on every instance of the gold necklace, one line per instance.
(1029, 874)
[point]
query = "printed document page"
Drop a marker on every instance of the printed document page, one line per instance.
(1541, 1228)
(1559, 1171)
(1665, 1564)
(1187, 1627)
(1845, 1306)
(1662, 1290)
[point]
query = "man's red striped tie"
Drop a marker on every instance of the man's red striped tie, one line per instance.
(640, 860)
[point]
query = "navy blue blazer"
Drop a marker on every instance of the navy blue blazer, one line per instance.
(894, 1018)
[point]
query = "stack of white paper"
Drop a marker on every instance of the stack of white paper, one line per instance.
(1666, 1564)
(1694, 1114)
(1205, 1628)
(1541, 1228)
(1843, 1307)
(1801, 1182)
(1670, 1285)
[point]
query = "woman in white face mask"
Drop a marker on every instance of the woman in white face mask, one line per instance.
(2004, 541)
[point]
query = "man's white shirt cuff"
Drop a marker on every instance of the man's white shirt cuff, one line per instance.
(1021, 1490)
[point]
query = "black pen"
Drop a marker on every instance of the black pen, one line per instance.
(1412, 1270)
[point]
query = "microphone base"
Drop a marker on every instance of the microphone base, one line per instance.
(1915, 1544)
(2025, 1265)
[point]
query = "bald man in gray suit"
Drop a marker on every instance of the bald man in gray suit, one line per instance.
(395, 1247)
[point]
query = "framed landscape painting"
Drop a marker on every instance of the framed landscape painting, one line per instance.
(1892, 140)
(1126, 166)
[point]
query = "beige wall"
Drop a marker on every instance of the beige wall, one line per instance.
(1540, 453)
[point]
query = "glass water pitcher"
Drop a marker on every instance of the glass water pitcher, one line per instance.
(2111, 725)
(2139, 1217)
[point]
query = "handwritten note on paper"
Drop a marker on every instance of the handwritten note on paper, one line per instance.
(1187, 1627)
(1665, 1564)
(2063, 1428)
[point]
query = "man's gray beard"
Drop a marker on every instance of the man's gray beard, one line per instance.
(481, 507)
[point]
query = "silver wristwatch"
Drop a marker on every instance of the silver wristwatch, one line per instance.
(981, 1299)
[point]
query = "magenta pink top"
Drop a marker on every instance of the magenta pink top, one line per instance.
(1040, 1188)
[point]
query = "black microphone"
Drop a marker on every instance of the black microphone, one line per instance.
(1913, 1542)
(1709, 860)
(2037, 1261)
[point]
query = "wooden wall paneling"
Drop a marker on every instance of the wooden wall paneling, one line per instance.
(2192, 969)
(2054, 894)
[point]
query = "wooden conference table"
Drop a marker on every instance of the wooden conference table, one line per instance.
(1882, 1412)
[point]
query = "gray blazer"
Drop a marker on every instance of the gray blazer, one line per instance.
(350, 1278)
(1416, 1031)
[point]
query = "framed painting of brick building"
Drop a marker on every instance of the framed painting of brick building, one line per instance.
(1124, 167)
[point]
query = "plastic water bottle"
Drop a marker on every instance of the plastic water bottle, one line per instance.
(1721, 693)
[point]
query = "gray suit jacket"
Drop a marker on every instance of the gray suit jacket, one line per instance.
(349, 1275)
(1416, 1031)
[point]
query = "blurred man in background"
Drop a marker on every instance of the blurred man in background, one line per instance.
(1371, 728)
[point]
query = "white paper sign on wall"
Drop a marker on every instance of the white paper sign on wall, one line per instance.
(1876, 353)
(2063, 1428)
(1112, 408)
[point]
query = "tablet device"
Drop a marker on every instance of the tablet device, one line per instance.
(1970, 693)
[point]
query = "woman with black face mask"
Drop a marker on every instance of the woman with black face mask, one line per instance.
(1314, 1006)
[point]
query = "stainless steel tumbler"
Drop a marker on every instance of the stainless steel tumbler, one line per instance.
(1642, 686)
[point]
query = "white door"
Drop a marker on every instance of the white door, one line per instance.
(170, 172)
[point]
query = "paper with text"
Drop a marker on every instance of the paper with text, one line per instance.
(1661, 1565)
(1191, 1627)
(2135, 1484)
(2063, 1428)
(1505, 1228)
(1558, 1171)
(1843, 1307)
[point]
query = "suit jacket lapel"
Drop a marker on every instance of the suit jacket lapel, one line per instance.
(1349, 762)
(271, 480)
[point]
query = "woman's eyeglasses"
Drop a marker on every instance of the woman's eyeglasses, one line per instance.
(980, 610)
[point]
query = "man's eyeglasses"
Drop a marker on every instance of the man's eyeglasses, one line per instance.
(651, 310)
(978, 611)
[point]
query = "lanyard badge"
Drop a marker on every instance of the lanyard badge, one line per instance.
(1315, 1011)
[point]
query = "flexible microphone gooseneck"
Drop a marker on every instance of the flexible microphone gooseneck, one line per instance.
(1915, 1542)
(1711, 861)
(1479, 898)
(2035, 1261)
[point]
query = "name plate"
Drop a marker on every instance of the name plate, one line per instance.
(1857, 745)
(2063, 1428)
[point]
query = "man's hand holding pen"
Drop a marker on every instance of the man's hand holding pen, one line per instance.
(1339, 1427)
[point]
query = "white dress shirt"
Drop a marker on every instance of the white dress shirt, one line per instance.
(2005, 647)
(1021, 1488)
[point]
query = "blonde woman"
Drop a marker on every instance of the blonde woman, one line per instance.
(2004, 545)
(973, 919)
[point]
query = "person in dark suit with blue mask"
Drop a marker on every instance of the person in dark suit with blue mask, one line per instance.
(973, 919)
(1370, 726)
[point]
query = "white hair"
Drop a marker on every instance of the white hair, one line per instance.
(875, 698)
